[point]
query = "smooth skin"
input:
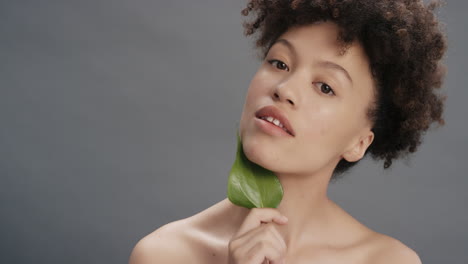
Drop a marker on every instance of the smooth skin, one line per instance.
(324, 94)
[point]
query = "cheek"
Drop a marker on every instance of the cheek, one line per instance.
(325, 128)
(256, 90)
(319, 122)
(260, 82)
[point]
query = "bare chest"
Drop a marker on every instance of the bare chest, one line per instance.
(218, 254)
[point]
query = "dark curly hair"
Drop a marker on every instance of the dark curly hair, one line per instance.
(404, 44)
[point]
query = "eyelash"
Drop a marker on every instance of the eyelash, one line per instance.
(329, 87)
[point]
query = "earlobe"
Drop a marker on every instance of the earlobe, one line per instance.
(359, 149)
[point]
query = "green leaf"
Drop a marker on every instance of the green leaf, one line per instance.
(250, 185)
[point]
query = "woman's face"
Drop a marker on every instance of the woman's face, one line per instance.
(323, 94)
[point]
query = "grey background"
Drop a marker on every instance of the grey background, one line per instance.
(119, 116)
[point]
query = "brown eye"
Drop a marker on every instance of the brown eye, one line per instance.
(279, 64)
(325, 88)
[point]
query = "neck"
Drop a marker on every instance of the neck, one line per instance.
(305, 203)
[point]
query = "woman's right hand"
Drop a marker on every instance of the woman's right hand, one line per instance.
(258, 241)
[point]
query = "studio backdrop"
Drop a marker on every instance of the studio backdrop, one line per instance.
(117, 117)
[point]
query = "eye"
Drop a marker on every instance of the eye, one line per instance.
(279, 63)
(325, 88)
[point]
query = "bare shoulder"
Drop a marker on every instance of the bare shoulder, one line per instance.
(376, 248)
(388, 250)
(196, 239)
(166, 244)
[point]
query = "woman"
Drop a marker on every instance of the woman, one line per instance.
(342, 79)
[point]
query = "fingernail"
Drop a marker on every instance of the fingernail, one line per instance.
(284, 218)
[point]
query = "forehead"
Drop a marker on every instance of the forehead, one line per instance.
(324, 33)
(321, 35)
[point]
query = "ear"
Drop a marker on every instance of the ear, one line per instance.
(358, 149)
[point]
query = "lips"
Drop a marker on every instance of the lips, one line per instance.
(274, 112)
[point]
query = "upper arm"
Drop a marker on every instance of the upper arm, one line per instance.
(164, 245)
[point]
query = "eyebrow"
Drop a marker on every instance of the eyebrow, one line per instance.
(324, 64)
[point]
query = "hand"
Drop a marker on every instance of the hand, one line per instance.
(258, 241)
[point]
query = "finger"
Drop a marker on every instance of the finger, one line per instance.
(262, 250)
(257, 216)
(281, 261)
(272, 228)
(269, 232)
(259, 235)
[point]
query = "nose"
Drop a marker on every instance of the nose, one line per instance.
(285, 92)
(279, 98)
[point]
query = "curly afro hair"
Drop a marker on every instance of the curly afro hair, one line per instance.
(404, 44)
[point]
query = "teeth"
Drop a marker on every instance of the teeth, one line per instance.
(277, 122)
(274, 121)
